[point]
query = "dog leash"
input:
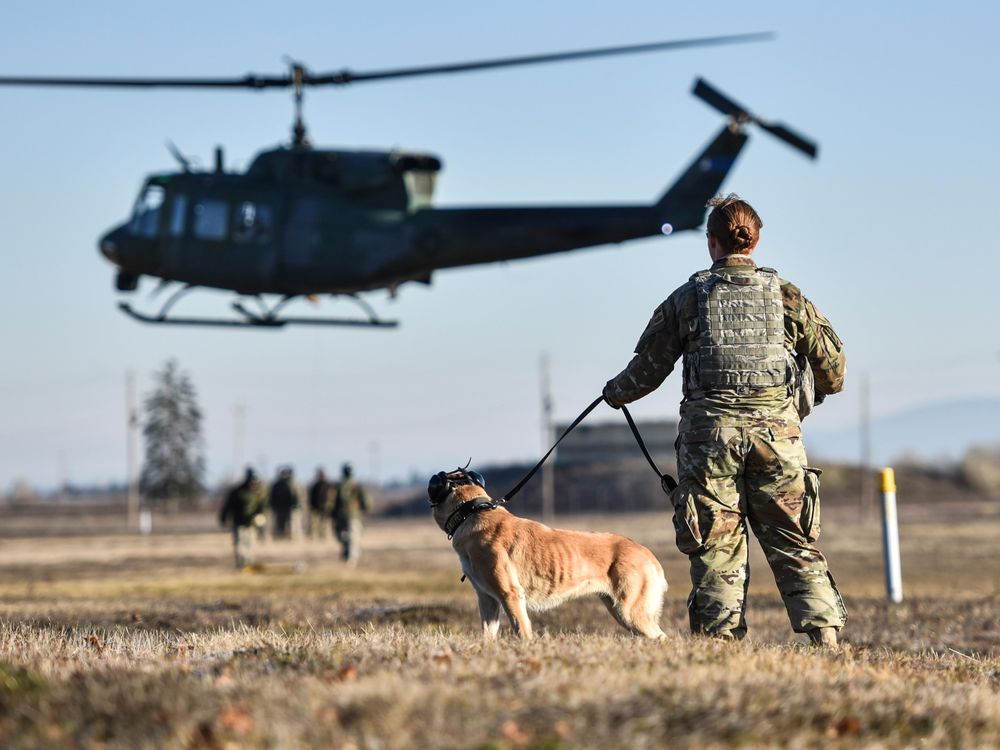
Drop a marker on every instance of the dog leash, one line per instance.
(536, 467)
(666, 481)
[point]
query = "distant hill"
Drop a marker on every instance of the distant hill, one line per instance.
(940, 431)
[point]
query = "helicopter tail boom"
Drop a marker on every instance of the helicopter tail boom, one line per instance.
(451, 237)
(468, 236)
(683, 204)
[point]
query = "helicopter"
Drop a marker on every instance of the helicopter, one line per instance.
(301, 222)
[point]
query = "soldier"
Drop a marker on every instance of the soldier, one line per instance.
(243, 507)
(284, 502)
(321, 496)
(351, 502)
(753, 348)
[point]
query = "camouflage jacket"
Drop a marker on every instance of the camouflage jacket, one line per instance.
(351, 500)
(243, 502)
(321, 496)
(673, 330)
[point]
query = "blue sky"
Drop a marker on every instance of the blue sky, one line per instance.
(891, 232)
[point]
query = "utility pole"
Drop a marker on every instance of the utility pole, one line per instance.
(548, 470)
(864, 498)
(131, 453)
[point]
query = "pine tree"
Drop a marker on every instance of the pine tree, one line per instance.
(174, 465)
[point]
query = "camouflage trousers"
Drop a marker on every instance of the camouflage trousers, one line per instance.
(243, 541)
(318, 521)
(348, 532)
(732, 475)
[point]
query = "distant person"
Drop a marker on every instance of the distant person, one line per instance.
(321, 497)
(244, 508)
(350, 504)
(755, 353)
(284, 502)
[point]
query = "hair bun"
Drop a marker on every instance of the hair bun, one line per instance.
(734, 223)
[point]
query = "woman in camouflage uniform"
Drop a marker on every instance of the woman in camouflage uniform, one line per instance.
(748, 340)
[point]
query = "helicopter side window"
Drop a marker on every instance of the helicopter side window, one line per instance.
(178, 215)
(146, 217)
(253, 222)
(211, 219)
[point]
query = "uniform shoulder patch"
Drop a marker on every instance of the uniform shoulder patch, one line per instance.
(819, 319)
(815, 315)
(700, 275)
(655, 325)
(791, 296)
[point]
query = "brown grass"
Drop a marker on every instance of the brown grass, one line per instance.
(123, 642)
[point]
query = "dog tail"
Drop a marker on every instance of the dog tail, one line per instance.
(646, 615)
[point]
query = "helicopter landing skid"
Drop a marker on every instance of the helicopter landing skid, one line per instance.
(267, 318)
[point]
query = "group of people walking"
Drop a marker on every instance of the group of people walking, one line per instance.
(336, 507)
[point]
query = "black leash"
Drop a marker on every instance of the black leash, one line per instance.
(530, 474)
(666, 481)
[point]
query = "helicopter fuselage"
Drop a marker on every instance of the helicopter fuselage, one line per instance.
(305, 222)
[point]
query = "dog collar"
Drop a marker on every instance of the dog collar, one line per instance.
(465, 511)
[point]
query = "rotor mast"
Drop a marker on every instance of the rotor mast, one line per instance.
(299, 138)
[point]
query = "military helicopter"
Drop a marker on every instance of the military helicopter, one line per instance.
(304, 221)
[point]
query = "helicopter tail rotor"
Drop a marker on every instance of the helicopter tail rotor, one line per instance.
(740, 115)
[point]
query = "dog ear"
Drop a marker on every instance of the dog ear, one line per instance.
(438, 488)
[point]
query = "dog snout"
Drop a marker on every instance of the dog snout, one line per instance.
(437, 488)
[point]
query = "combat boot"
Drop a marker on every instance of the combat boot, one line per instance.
(823, 637)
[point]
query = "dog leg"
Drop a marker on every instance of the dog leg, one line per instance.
(642, 610)
(612, 605)
(504, 584)
(637, 600)
(516, 607)
(489, 614)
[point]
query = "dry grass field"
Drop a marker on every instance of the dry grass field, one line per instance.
(122, 642)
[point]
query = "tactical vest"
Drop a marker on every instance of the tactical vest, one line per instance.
(740, 341)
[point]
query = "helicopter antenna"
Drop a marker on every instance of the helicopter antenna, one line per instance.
(176, 153)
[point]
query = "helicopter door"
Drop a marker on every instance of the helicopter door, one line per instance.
(301, 242)
(225, 243)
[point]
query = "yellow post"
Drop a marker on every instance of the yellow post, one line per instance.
(890, 538)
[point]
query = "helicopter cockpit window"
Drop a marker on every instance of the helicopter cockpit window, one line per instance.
(211, 219)
(146, 218)
(253, 222)
(178, 215)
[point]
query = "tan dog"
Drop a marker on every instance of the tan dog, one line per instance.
(515, 564)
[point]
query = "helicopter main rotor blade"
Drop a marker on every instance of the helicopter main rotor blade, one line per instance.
(344, 77)
(347, 76)
(246, 82)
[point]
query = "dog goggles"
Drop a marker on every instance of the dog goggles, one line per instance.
(442, 482)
